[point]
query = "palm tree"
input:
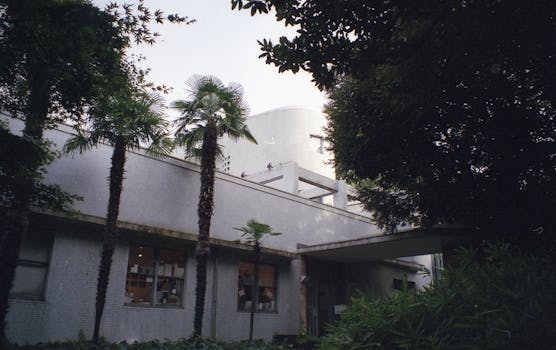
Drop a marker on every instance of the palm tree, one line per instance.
(253, 234)
(126, 122)
(211, 111)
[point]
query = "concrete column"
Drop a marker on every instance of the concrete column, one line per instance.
(302, 296)
(341, 197)
(291, 177)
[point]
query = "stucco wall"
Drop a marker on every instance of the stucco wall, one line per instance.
(377, 279)
(164, 193)
(68, 307)
(283, 135)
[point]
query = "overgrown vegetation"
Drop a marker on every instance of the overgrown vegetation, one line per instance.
(181, 344)
(498, 298)
(59, 58)
(439, 112)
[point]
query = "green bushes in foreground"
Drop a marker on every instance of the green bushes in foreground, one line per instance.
(182, 344)
(498, 298)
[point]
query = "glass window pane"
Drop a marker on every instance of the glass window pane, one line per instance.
(245, 282)
(171, 271)
(267, 287)
(171, 263)
(29, 282)
(35, 247)
(140, 275)
(169, 291)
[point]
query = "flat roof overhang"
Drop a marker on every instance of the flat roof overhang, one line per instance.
(154, 234)
(387, 246)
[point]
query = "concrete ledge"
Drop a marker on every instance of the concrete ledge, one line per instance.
(387, 246)
(132, 228)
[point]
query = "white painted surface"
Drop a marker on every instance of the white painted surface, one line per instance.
(164, 193)
(283, 135)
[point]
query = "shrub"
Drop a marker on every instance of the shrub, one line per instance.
(182, 344)
(498, 298)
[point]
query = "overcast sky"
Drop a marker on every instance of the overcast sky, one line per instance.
(224, 43)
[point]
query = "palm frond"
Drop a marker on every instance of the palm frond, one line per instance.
(133, 115)
(255, 231)
(210, 99)
(160, 147)
(79, 143)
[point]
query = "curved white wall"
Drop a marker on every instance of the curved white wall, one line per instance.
(283, 135)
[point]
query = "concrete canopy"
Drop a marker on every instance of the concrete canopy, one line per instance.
(386, 246)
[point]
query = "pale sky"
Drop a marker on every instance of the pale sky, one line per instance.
(223, 43)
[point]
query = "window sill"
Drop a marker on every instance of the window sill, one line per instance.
(171, 307)
(27, 301)
(259, 312)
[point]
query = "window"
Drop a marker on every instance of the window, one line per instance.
(267, 287)
(437, 266)
(317, 143)
(154, 277)
(399, 284)
(32, 266)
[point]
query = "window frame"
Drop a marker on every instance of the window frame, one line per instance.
(400, 283)
(276, 271)
(34, 263)
(152, 303)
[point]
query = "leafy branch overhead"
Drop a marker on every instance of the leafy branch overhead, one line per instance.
(438, 113)
(133, 20)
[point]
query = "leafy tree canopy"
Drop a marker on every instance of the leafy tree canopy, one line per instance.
(15, 155)
(439, 112)
(56, 55)
(53, 55)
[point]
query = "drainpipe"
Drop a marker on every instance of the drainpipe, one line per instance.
(303, 279)
(214, 293)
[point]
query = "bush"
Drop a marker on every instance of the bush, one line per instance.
(182, 344)
(498, 298)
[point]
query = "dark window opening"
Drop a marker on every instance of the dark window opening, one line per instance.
(32, 266)
(399, 284)
(266, 294)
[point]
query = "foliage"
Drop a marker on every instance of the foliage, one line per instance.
(255, 231)
(498, 298)
(210, 99)
(58, 58)
(182, 344)
(126, 121)
(439, 112)
(15, 155)
(54, 53)
(135, 117)
(212, 111)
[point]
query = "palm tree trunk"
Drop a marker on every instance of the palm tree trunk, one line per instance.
(255, 291)
(204, 211)
(110, 233)
(15, 220)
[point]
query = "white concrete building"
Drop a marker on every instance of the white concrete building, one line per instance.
(323, 256)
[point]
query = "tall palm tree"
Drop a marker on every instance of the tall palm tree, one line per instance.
(211, 111)
(126, 122)
(253, 234)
